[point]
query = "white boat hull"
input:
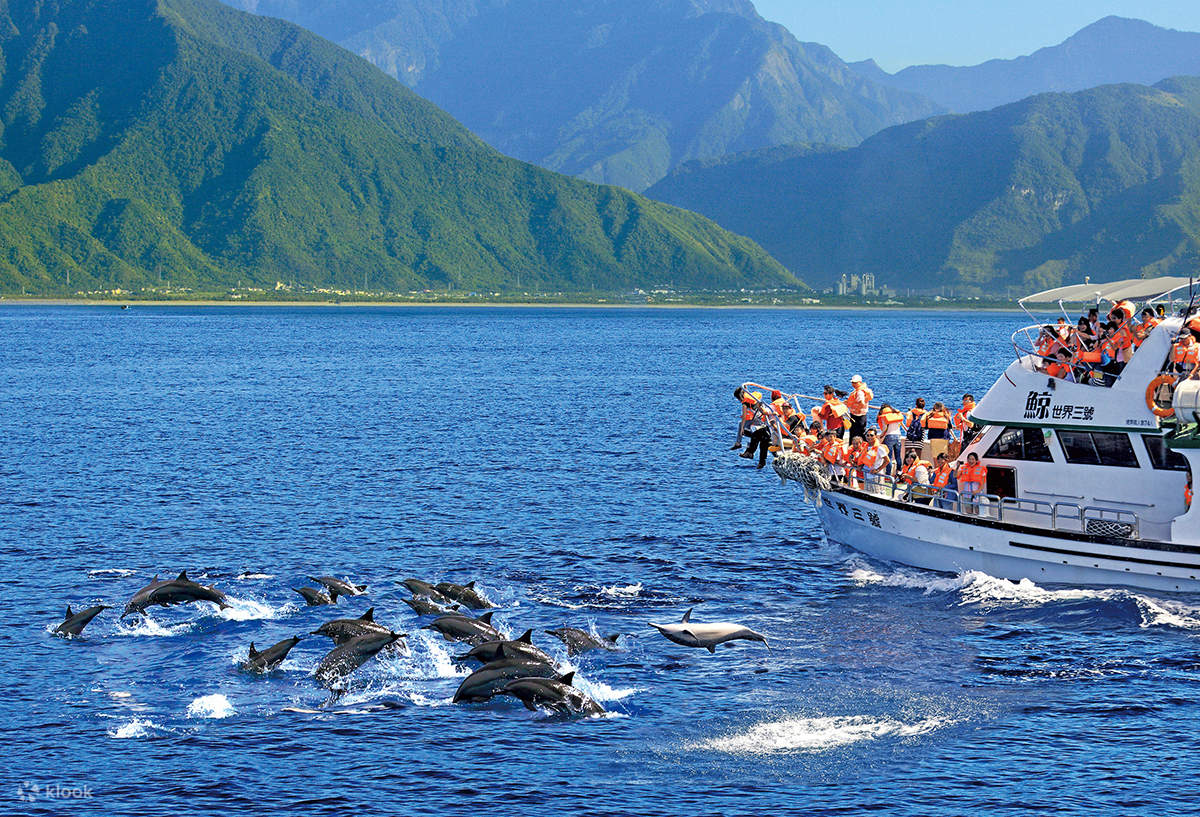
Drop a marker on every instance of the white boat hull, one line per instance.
(923, 537)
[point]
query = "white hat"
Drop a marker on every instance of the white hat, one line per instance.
(856, 379)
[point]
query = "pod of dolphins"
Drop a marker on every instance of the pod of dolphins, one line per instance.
(515, 667)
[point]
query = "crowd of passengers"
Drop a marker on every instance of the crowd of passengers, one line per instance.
(919, 447)
(1095, 351)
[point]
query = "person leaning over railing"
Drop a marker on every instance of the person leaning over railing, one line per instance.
(746, 403)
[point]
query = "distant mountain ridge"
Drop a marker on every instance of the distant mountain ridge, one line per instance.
(1104, 182)
(181, 140)
(1110, 51)
(615, 91)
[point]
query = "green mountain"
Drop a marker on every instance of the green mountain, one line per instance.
(1109, 51)
(1104, 182)
(182, 140)
(616, 91)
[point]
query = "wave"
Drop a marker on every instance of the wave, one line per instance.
(622, 591)
(246, 609)
(148, 626)
(817, 734)
(136, 728)
(215, 705)
(977, 588)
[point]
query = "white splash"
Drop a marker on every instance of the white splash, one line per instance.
(433, 659)
(215, 705)
(817, 734)
(976, 587)
(136, 728)
(250, 610)
(110, 572)
(622, 591)
(253, 575)
(145, 625)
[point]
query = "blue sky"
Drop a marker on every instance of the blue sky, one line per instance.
(897, 33)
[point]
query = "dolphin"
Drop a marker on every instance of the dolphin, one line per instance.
(313, 597)
(338, 587)
(708, 635)
(425, 606)
(346, 658)
(180, 590)
(420, 588)
(75, 622)
(555, 694)
(271, 657)
(578, 640)
(341, 630)
(494, 650)
(489, 680)
(459, 627)
(465, 594)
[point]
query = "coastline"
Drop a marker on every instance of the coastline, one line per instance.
(200, 302)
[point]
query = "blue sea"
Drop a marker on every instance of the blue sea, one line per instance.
(576, 463)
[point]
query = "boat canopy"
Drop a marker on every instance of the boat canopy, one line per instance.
(1134, 289)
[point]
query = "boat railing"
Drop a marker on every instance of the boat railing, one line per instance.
(1098, 520)
(1024, 342)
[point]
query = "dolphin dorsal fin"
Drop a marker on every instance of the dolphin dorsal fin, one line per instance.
(501, 653)
(182, 577)
(486, 618)
(69, 613)
(253, 652)
(614, 637)
(687, 616)
(526, 637)
(470, 585)
(368, 616)
(567, 679)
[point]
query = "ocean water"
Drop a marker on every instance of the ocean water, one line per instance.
(576, 464)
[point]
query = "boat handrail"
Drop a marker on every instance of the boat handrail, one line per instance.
(1096, 519)
(1028, 351)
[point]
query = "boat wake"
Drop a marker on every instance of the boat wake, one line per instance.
(977, 588)
(817, 734)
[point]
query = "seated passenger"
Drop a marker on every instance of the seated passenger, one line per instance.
(1062, 368)
(943, 482)
(915, 470)
(1143, 329)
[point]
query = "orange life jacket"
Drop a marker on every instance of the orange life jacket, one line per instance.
(1186, 353)
(1058, 370)
(1144, 330)
(937, 419)
(962, 418)
(972, 473)
(835, 414)
(941, 476)
(887, 418)
(831, 452)
(915, 414)
(1187, 495)
(859, 400)
(1123, 310)
(909, 472)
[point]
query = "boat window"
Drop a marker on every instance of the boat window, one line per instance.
(1098, 448)
(1162, 457)
(1021, 444)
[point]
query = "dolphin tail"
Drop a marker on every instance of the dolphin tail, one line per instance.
(662, 628)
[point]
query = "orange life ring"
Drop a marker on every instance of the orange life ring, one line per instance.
(1155, 384)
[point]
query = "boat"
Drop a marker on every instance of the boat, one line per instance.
(1088, 483)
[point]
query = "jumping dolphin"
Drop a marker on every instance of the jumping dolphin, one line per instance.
(420, 588)
(424, 606)
(346, 658)
(75, 622)
(313, 597)
(578, 640)
(465, 594)
(342, 630)
(555, 694)
(494, 650)
(337, 587)
(271, 657)
(708, 635)
(180, 590)
(458, 627)
(489, 680)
